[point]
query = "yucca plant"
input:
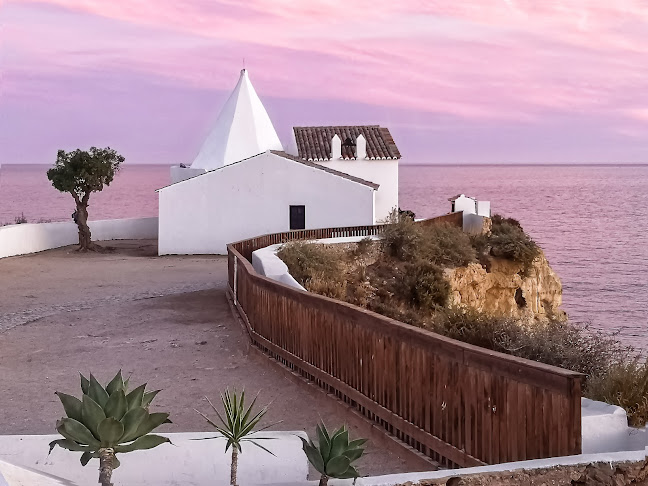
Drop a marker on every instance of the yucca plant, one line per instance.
(238, 424)
(108, 421)
(334, 454)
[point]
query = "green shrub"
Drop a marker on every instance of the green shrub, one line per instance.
(306, 259)
(508, 240)
(401, 238)
(563, 344)
(426, 286)
(443, 244)
(446, 245)
(406, 213)
(624, 384)
(363, 247)
(317, 267)
(327, 284)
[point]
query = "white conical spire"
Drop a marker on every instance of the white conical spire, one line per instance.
(243, 129)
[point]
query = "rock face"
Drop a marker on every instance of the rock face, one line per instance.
(505, 289)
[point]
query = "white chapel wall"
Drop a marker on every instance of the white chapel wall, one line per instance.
(178, 173)
(382, 172)
(250, 198)
(465, 204)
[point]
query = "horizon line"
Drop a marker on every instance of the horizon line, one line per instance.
(430, 164)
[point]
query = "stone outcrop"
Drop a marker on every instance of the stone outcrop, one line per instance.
(505, 288)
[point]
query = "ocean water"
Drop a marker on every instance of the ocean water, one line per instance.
(591, 221)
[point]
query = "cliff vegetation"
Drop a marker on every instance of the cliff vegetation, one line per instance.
(495, 290)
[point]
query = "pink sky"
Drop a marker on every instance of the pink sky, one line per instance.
(476, 81)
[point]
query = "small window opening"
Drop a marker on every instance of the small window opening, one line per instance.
(297, 217)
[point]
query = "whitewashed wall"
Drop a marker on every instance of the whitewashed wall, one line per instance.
(22, 239)
(483, 208)
(188, 462)
(266, 262)
(252, 197)
(382, 172)
(472, 223)
(178, 173)
(465, 204)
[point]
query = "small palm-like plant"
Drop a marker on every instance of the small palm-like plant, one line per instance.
(333, 456)
(238, 424)
(107, 421)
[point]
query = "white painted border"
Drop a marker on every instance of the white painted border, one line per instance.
(23, 239)
(188, 462)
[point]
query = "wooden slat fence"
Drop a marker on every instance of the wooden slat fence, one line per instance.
(459, 404)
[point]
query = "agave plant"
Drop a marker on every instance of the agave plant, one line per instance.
(333, 456)
(238, 424)
(108, 421)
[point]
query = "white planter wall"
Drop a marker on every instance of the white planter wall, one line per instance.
(252, 197)
(188, 462)
(22, 239)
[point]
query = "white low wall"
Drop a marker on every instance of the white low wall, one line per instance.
(266, 262)
(188, 462)
(605, 429)
(22, 239)
(12, 475)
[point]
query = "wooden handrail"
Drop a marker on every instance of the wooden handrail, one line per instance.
(460, 404)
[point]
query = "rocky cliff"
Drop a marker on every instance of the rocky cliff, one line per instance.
(504, 288)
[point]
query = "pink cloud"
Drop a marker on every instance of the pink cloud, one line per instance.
(521, 61)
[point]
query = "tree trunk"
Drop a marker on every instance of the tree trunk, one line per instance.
(106, 465)
(81, 219)
(234, 466)
(323, 480)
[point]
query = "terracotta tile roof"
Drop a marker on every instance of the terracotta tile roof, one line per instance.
(326, 169)
(314, 143)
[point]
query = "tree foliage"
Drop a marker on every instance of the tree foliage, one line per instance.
(81, 173)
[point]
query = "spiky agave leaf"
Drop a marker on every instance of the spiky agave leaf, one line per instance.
(117, 383)
(334, 454)
(238, 420)
(107, 417)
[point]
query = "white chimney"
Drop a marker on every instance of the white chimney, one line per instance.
(336, 148)
(361, 147)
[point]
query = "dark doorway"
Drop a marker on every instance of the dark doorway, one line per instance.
(297, 217)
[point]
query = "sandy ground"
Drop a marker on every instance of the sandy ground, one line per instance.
(166, 320)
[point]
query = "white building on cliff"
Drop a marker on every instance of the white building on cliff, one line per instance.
(243, 183)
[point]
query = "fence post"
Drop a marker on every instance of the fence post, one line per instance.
(235, 289)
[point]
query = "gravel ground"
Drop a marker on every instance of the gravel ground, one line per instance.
(166, 320)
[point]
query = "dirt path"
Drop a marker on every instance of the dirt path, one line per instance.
(164, 319)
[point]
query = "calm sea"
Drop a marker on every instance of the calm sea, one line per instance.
(591, 221)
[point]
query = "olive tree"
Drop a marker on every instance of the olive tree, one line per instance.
(81, 173)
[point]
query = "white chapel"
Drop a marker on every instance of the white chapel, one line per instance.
(244, 182)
